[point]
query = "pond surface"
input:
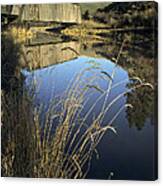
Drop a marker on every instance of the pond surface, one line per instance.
(130, 153)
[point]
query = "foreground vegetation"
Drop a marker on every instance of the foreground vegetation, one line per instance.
(62, 144)
(32, 148)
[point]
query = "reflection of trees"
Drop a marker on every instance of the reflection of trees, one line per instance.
(138, 53)
(139, 59)
(143, 102)
(142, 99)
(10, 62)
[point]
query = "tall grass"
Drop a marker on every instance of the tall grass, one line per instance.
(32, 148)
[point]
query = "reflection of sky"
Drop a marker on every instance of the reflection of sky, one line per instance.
(130, 153)
(55, 79)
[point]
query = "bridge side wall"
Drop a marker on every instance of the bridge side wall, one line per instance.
(68, 13)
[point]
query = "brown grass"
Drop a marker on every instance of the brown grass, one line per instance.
(30, 149)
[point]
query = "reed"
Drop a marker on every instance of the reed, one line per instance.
(32, 148)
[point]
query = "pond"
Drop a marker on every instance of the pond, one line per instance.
(127, 154)
(79, 97)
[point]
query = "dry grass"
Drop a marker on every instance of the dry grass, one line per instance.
(20, 34)
(31, 148)
(87, 30)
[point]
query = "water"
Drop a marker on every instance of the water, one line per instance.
(130, 153)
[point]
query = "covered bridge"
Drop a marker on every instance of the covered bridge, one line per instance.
(65, 13)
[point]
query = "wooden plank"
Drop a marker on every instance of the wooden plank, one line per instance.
(68, 13)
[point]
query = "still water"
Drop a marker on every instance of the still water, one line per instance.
(129, 153)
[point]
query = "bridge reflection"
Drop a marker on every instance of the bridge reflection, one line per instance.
(40, 56)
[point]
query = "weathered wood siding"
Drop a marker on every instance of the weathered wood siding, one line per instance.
(45, 55)
(68, 13)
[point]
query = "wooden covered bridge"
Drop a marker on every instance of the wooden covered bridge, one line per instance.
(62, 13)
